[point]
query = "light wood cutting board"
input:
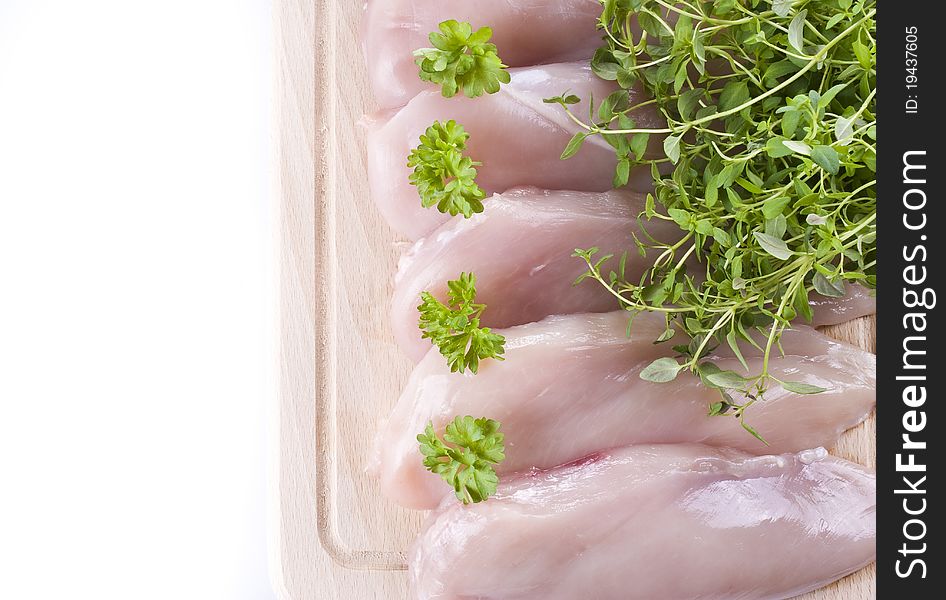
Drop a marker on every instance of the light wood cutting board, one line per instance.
(340, 372)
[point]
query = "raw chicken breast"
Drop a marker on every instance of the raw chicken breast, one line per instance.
(518, 138)
(526, 32)
(570, 386)
(521, 250)
(857, 302)
(673, 522)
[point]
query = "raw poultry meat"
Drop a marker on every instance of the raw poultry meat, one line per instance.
(674, 522)
(518, 138)
(557, 31)
(612, 487)
(857, 302)
(570, 386)
(520, 250)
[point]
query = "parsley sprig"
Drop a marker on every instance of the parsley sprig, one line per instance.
(455, 328)
(444, 177)
(768, 169)
(467, 465)
(462, 60)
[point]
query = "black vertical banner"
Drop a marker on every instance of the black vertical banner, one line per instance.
(911, 266)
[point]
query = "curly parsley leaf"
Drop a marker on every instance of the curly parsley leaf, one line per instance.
(444, 177)
(462, 60)
(465, 456)
(455, 327)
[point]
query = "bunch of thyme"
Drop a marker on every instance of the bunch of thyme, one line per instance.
(768, 169)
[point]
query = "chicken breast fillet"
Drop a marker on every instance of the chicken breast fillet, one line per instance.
(571, 386)
(674, 522)
(557, 31)
(518, 139)
(521, 249)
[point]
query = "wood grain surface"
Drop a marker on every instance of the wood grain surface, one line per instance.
(340, 371)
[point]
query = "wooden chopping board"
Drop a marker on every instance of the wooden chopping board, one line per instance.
(340, 372)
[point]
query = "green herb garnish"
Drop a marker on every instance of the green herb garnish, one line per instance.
(462, 60)
(768, 168)
(467, 465)
(455, 329)
(443, 175)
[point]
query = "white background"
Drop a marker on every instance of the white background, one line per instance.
(136, 298)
